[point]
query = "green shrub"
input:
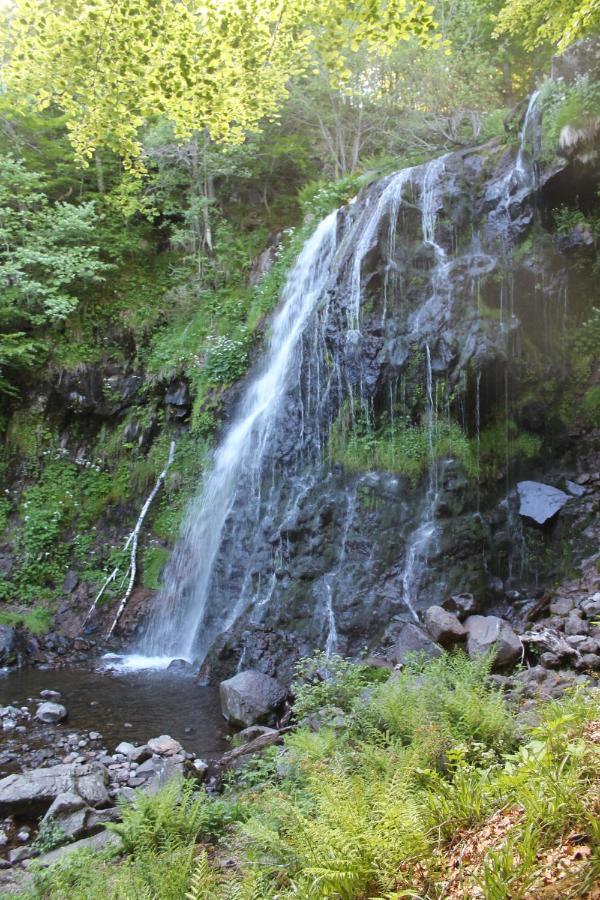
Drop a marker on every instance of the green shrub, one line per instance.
(226, 360)
(566, 105)
(403, 448)
(321, 681)
(153, 562)
(590, 407)
(37, 620)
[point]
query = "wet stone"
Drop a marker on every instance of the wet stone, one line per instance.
(51, 713)
(540, 502)
(561, 606)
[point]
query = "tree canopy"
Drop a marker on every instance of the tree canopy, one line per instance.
(219, 65)
(559, 21)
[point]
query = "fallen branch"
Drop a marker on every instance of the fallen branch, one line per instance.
(108, 581)
(134, 538)
(229, 759)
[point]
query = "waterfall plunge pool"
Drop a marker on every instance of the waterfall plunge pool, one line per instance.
(122, 704)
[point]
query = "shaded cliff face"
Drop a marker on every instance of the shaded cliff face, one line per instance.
(436, 371)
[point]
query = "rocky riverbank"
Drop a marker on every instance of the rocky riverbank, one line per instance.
(66, 785)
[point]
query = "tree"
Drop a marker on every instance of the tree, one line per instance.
(558, 21)
(219, 65)
(47, 254)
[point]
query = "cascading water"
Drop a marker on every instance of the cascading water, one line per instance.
(236, 529)
(381, 317)
(239, 461)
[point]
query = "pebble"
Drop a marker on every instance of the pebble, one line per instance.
(50, 695)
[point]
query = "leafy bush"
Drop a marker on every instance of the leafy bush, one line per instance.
(49, 836)
(321, 681)
(36, 620)
(590, 406)
(404, 448)
(567, 105)
(319, 198)
(226, 360)
(153, 562)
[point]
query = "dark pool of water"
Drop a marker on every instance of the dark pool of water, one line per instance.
(151, 703)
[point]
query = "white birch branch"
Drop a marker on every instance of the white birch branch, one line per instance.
(135, 534)
(110, 578)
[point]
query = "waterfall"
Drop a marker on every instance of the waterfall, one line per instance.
(225, 562)
(238, 462)
(517, 183)
(276, 535)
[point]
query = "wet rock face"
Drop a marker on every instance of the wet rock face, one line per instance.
(447, 306)
(333, 541)
(9, 645)
(94, 390)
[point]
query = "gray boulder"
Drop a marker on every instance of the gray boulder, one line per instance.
(69, 811)
(254, 731)
(561, 606)
(8, 645)
(462, 605)
(164, 745)
(125, 748)
(51, 713)
(250, 697)
(105, 840)
(412, 640)
(540, 502)
(34, 791)
(54, 696)
(490, 633)
(155, 773)
(444, 627)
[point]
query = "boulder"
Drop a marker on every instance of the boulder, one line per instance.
(575, 624)
(444, 627)
(69, 811)
(254, 731)
(140, 754)
(155, 773)
(540, 502)
(164, 745)
(180, 667)
(576, 490)
(70, 582)
(463, 605)
(250, 697)
(412, 640)
(8, 645)
(561, 606)
(487, 633)
(34, 791)
(105, 840)
(51, 713)
(125, 749)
